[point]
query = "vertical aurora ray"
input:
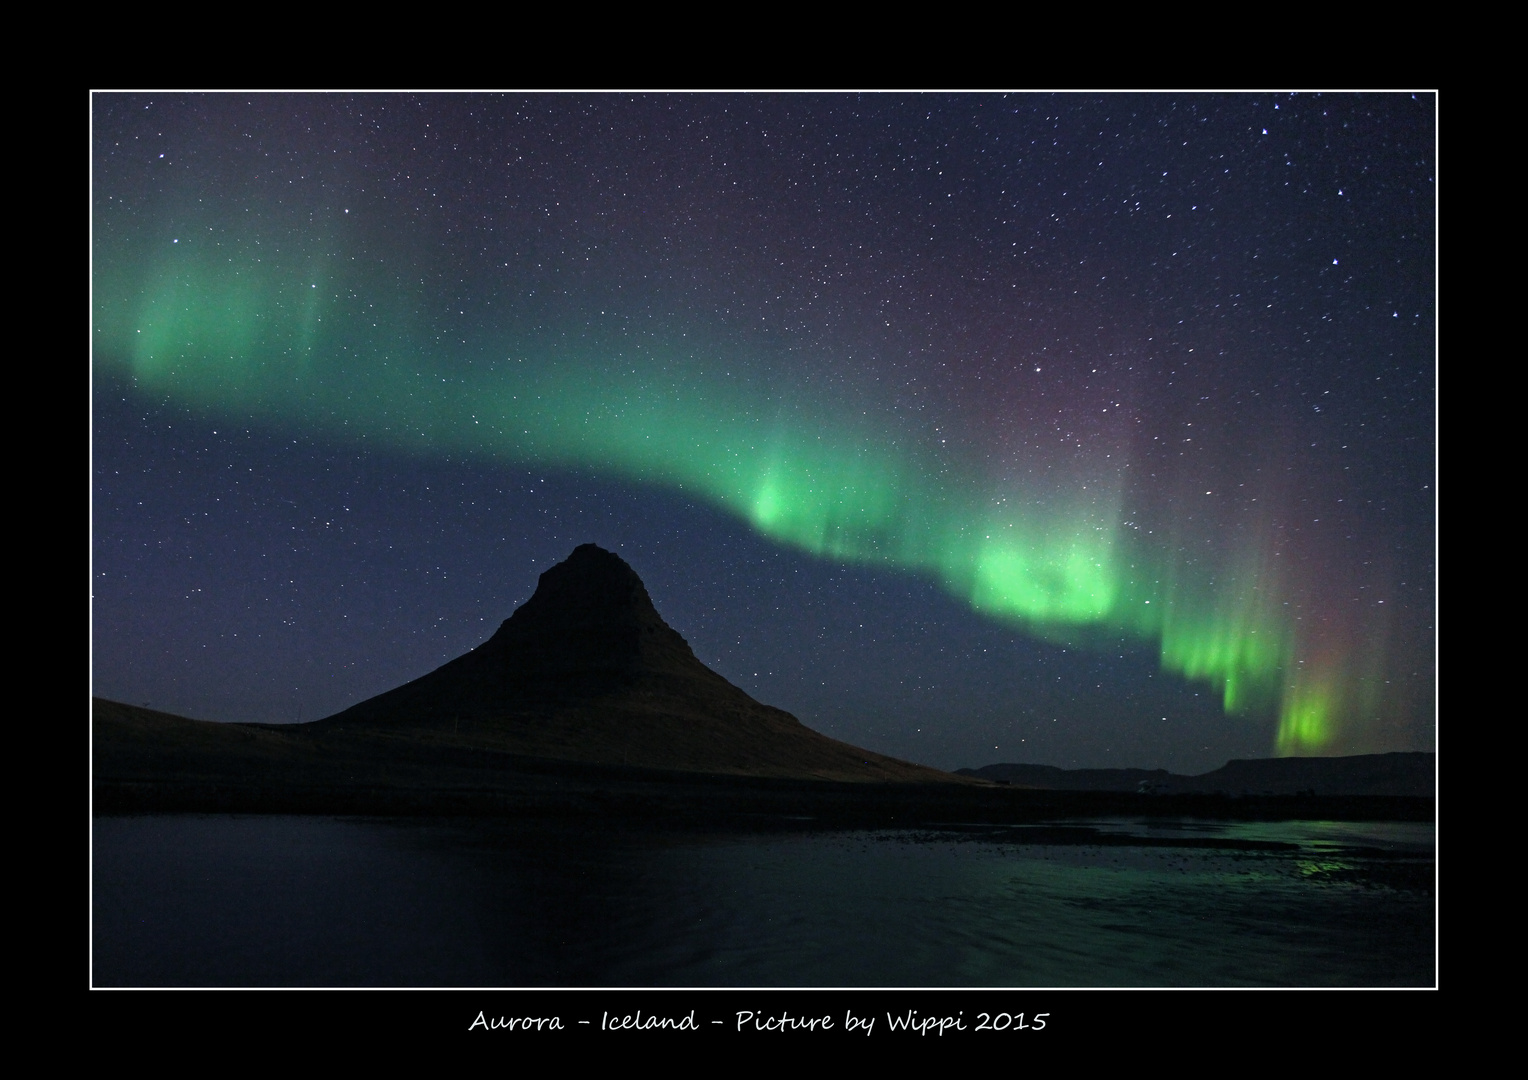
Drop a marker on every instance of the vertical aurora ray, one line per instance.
(304, 315)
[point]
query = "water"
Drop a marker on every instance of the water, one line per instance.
(226, 900)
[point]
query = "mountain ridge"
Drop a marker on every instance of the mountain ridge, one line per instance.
(1399, 773)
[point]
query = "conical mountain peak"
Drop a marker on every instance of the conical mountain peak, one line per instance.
(590, 630)
(590, 619)
(587, 670)
(591, 587)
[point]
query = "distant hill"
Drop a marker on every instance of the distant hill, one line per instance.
(1051, 778)
(1406, 774)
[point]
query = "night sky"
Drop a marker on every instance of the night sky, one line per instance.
(1085, 430)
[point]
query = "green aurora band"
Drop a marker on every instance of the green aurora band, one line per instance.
(290, 338)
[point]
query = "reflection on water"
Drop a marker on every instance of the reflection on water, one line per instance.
(219, 900)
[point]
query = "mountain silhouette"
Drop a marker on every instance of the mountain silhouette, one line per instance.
(587, 670)
(1401, 774)
(586, 705)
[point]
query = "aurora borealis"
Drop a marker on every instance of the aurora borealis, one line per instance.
(1140, 385)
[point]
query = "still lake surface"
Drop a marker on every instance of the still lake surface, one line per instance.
(235, 900)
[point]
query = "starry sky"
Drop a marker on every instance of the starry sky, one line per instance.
(1078, 429)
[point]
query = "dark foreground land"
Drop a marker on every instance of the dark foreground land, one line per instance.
(149, 762)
